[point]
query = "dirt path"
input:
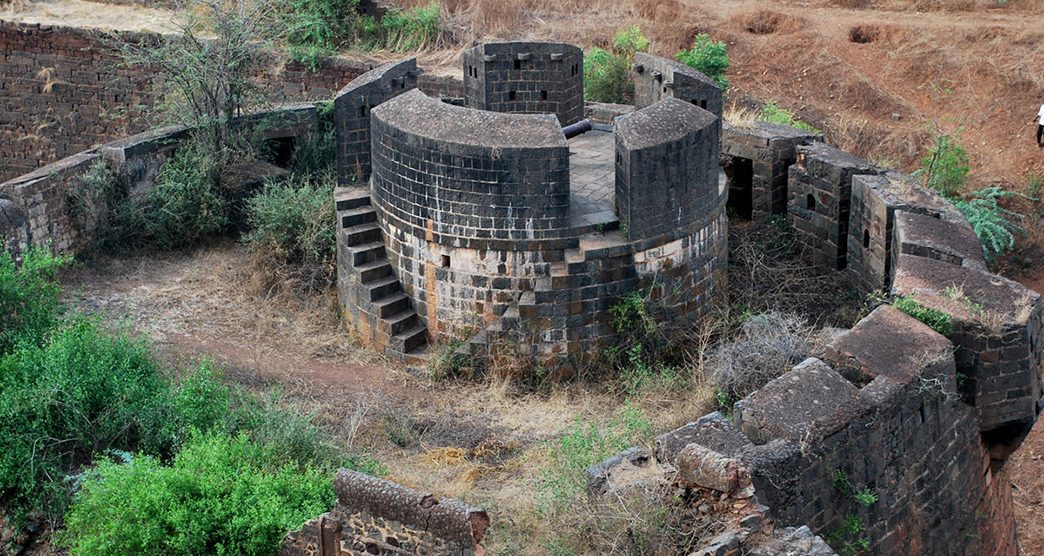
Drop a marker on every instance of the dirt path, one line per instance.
(79, 13)
(204, 304)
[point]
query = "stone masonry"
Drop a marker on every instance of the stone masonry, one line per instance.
(526, 78)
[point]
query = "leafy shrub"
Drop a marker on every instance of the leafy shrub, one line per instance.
(607, 75)
(293, 223)
(29, 294)
(707, 57)
(584, 445)
(316, 152)
(183, 207)
(992, 223)
(404, 30)
(316, 28)
(62, 404)
(946, 166)
(775, 114)
(766, 347)
(89, 204)
(221, 495)
(937, 320)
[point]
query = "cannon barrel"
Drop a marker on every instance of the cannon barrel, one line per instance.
(570, 131)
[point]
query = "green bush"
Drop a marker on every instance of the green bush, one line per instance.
(937, 320)
(607, 75)
(62, 404)
(992, 223)
(316, 152)
(775, 114)
(184, 206)
(316, 28)
(405, 30)
(221, 495)
(29, 294)
(294, 222)
(946, 166)
(709, 58)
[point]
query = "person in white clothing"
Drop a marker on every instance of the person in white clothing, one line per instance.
(1040, 127)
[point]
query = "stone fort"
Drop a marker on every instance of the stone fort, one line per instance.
(504, 207)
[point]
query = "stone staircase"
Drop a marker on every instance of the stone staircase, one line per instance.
(386, 313)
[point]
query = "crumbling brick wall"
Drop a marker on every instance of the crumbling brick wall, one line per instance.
(376, 516)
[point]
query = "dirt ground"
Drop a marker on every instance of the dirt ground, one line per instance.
(479, 441)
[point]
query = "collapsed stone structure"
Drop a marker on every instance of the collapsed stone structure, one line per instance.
(475, 217)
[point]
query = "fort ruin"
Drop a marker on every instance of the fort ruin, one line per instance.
(471, 215)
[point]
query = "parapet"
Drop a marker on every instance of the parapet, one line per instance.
(819, 194)
(657, 78)
(376, 516)
(526, 78)
(666, 168)
(352, 106)
(462, 177)
(755, 157)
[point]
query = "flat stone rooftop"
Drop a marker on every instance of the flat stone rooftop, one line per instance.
(592, 179)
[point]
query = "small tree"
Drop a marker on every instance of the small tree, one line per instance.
(208, 67)
(709, 58)
(607, 75)
(946, 166)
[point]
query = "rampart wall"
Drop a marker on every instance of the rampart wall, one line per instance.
(656, 78)
(52, 207)
(63, 91)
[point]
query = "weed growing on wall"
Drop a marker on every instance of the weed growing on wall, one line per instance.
(937, 320)
(709, 58)
(91, 203)
(767, 346)
(775, 114)
(607, 73)
(183, 207)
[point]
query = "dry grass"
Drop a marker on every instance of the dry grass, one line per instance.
(767, 22)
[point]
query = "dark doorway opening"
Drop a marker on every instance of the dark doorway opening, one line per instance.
(739, 177)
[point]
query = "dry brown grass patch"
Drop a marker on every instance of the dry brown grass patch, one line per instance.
(871, 33)
(768, 22)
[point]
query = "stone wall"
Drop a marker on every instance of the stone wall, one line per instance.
(656, 78)
(57, 211)
(755, 158)
(526, 78)
(63, 92)
(375, 516)
(666, 167)
(880, 411)
(820, 194)
(454, 175)
(875, 202)
(352, 107)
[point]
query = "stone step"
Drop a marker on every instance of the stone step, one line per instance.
(357, 216)
(347, 198)
(401, 321)
(374, 270)
(382, 287)
(409, 339)
(392, 304)
(363, 233)
(367, 253)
